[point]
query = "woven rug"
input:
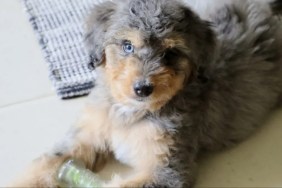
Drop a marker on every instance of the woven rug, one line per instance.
(59, 25)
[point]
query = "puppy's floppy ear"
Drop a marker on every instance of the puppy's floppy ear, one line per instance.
(97, 26)
(276, 7)
(205, 42)
(201, 31)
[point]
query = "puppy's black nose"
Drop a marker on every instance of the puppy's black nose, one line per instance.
(143, 90)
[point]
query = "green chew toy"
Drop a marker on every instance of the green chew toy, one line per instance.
(74, 174)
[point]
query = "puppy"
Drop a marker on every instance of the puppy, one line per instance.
(169, 86)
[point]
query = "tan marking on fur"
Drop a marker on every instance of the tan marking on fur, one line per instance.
(167, 84)
(100, 161)
(91, 145)
(143, 136)
(138, 181)
(134, 36)
(121, 73)
(173, 41)
(40, 173)
(135, 180)
(147, 147)
(89, 140)
(94, 126)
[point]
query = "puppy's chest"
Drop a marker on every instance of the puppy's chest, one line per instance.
(141, 143)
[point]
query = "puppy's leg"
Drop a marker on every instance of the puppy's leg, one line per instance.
(179, 175)
(159, 158)
(86, 142)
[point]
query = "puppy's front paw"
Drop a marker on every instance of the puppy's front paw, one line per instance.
(118, 182)
(40, 174)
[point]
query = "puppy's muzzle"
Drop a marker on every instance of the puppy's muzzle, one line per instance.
(143, 89)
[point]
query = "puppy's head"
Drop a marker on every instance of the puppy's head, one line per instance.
(148, 50)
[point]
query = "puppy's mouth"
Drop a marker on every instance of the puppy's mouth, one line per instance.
(146, 102)
(141, 99)
(138, 101)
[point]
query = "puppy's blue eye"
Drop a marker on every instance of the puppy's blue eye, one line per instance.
(128, 48)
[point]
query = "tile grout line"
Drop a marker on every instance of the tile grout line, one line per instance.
(27, 101)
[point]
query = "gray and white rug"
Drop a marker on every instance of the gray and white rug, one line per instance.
(59, 25)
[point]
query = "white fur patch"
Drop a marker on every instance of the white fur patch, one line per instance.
(125, 115)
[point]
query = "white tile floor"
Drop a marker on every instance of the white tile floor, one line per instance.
(32, 117)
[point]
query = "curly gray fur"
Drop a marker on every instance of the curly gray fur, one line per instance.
(238, 77)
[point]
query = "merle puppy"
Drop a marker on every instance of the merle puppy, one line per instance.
(169, 86)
